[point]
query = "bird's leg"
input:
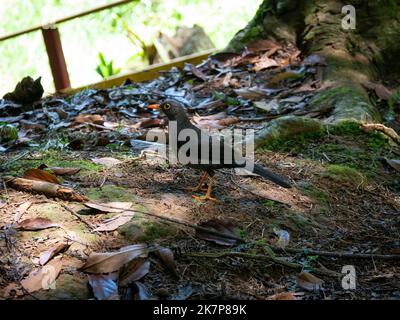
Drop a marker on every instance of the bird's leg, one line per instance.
(203, 178)
(208, 196)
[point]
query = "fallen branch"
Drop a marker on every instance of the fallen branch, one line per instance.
(177, 221)
(292, 265)
(339, 254)
(289, 250)
(370, 127)
(47, 188)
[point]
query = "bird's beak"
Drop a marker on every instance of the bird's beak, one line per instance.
(154, 106)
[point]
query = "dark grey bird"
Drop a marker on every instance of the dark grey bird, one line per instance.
(220, 154)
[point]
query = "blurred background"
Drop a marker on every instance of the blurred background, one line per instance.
(117, 40)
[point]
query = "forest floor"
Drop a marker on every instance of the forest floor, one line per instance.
(345, 200)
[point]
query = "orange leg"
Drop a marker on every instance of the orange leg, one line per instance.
(207, 196)
(203, 179)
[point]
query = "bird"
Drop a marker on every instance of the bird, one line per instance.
(204, 161)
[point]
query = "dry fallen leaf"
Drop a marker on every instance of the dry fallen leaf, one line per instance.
(40, 175)
(48, 254)
(167, 257)
(89, 118)
(380, 90)
(308, 281)
(221, 226)
(112, 207)
(43, 278)
(115, 222)
(112, 261)
(133, 271)
(104, 286)
(107, 161)
(21, 210)
(264, 63)
(59, 171)
(35, 224)
(262, 45)
(282, 296)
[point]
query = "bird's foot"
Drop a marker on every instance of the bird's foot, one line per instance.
(205, 197)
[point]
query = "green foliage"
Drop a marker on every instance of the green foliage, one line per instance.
(103, 32)
(105, 69)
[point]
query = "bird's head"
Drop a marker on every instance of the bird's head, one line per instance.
(172, 109)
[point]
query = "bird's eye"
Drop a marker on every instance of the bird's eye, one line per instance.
(167, 106)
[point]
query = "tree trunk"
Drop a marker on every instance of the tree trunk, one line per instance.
(353, 57)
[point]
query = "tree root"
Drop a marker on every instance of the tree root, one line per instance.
(370, 127)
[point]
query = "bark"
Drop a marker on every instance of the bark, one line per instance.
(368, 53)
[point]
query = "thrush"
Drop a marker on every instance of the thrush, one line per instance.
(204, 151)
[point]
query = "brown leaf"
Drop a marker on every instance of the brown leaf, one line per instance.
(47, 255)
(89, 118)
(264, 63)
(381, 91)
(282, 296)
(40, 175)
(64, 171)
(167, 258)
(133, 271)
(262, 45)
(104, 286)
(308, 281)
(21, 210)
(107, 161)
(112, 261)
(115, 222)
(35, 224)
(395, 164)
(43, 278)
(112, 207)
(221, 226)
(196, 72)
(149, 123)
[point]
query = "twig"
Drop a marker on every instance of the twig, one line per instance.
(338, 254)
(321, 271)
(177, 221)
(289, 250)
(77, 215)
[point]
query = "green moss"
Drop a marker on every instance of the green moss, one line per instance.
(345, 128)
(313, 192)
(341, 173)
(377, 140)
(110, 193)
(155, 231)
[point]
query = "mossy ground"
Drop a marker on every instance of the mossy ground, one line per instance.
(343, 144)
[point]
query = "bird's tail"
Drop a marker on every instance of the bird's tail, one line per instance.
(271, 176)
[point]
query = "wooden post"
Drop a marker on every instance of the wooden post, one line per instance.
(55, 53)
